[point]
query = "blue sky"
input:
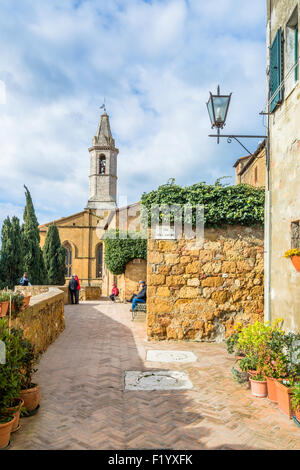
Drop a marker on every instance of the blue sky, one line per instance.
(154, 62)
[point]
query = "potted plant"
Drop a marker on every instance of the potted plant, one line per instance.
(17, 303)
(273, 362)
(10, 383)
(283, 391)
(249, 364)
(30, 391)
(232, 343)
(294, 255)
(4, 303)
(258, 385)
(295, 400)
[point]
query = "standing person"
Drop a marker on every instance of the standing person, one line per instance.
(78, 289)
(73, 286)
(24, 281)
(141, 297)
(114, 292)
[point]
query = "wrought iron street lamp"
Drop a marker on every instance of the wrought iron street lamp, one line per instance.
(217, 107)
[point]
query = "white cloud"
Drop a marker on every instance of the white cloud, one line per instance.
(155, 62)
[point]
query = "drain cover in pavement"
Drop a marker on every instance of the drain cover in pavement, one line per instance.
(157, 380)
(170, 356)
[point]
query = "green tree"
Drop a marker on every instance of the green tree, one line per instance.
(33, 262)
(11, 262)
(54, 255)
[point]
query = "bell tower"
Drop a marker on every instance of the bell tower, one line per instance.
(103, 168)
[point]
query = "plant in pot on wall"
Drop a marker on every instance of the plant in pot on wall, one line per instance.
(30, 391)
(4, 303)
(294, 255)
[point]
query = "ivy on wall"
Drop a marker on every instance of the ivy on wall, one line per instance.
(119, 251)
(241, 204)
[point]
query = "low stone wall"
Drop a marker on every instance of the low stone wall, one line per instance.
(90, 293)
(36, 290)
(86, 292)
(43, 320)
(199, 294)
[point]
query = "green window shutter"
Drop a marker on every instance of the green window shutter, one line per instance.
(276, 70)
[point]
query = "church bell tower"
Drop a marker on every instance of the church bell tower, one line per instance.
(103, 168)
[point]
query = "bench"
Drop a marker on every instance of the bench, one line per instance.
(139, 307)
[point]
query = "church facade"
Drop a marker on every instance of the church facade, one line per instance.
(82, 234)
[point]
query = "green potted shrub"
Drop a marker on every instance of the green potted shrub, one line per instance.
(10, 383)
(4, 303)
(291, 351)
(30, 391)
(273, 361)
(295, 400)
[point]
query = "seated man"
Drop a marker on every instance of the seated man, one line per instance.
(141, 297)
(24, 281)
(114, 292)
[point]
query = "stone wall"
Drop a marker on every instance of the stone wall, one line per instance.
(43, 321)
(86, 292)
(200, 294)
(36, 290)
(128, 283)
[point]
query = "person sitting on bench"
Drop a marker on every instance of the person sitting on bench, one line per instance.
(114, 292)
(141, 297)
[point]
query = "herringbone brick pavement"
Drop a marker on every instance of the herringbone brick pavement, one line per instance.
(84, 404)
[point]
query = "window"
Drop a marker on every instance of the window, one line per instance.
(291, 59)
(99, 260)
(296, 234)
(68, 262)
(276, 70)
(102, 164)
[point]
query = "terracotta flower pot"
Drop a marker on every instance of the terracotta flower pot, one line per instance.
(284, 398)
(26, 301)
(5, 431)
(272, 389)
(296, 262)
(32, 397)
(16, 410)
(252, 372)
(297, 414)
(4, 308)
(259, 388)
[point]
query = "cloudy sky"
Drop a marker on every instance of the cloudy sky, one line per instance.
(154, 61)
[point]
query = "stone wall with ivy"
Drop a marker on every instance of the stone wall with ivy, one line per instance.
(200, 294)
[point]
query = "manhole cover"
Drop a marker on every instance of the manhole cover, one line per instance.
(157, 380)
(171, 356)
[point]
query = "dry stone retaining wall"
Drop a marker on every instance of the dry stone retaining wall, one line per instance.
(199, 294)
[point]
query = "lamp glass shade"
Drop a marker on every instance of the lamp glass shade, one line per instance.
(220, 105)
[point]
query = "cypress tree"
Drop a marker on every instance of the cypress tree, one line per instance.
(11, 262)
(54, 255)
(33, 257)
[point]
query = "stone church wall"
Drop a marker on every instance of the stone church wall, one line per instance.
(200, 294)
